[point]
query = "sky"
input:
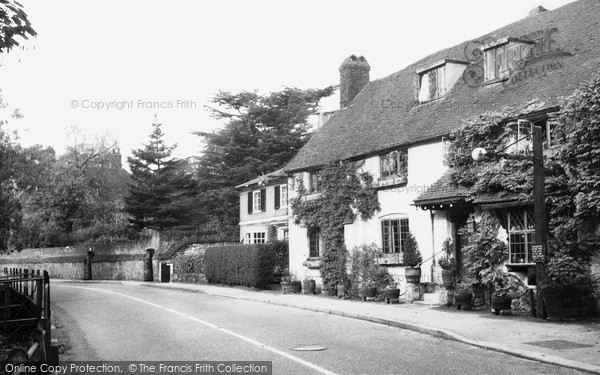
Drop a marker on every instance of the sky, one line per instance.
(108, 67)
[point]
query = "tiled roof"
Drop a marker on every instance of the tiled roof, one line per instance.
(442, 191)
(264, 179)
(385, 114)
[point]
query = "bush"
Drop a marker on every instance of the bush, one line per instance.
(412, 255)
(193, 263)
(247, 265)
(365, 272)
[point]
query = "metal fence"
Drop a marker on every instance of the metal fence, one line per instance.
(25, 310)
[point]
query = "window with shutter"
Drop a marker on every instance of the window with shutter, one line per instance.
(249, 202)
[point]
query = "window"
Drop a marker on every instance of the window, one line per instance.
(521, 136)
(503, 57)
(432, 83)
(260, 237)
(521, 228)
(248, 238)
(257, 200)
(314, 243)
(284, 195)
(281, 196)
(394, 163)
(314, 178)
(394, 234)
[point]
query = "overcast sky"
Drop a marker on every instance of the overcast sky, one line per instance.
(137, 52)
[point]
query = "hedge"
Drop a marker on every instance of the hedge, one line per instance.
(247, 265)
(193, 263)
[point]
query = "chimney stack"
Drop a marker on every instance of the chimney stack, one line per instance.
(537, 10)
(354, 76)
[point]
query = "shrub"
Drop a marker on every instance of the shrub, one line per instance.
(247, 265)
(412, 255)
(193, 263)
(365, 272)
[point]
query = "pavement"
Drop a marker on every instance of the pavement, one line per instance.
(572, 344)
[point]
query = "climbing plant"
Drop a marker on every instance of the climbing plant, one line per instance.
(344, 194)
(572, 174)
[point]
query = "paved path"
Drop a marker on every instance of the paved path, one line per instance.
(129, 321)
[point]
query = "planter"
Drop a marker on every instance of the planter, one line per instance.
(309, 286)
(564, 303)
(369, 292)
(463, 300)
(341, 290)
(500, 303)
(296, 286)
(413, 275)
(286, 287)
(447, 278)
(391, 294)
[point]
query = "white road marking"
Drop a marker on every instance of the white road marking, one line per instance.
(208, 324)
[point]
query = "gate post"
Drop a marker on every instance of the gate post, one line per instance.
(148, 273)
(87, 275)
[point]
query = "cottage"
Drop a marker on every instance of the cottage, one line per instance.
(397, 128)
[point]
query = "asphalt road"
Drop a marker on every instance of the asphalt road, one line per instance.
(128, 322)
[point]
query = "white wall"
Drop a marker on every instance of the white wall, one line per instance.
(425, 166)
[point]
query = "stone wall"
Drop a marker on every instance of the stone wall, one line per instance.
(118, 261)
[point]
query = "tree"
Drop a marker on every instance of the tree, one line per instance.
(14, 24)
(261, 134)
(161, 195)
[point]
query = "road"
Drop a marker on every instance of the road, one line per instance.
(108, 321)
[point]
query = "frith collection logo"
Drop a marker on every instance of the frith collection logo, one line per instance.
(513, 60)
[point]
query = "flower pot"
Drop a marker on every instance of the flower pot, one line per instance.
(341, 290)
(391, 294)
(463, 300)
(500, 303)
(413, 275)
(447, 278)
(286, 287)
(309, 286)
(296, 287)
(369, 292)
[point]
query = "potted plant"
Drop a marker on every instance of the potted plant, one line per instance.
(463, 297)
(289, 284)
(286, 282)
(368, 290)
(309, 286)
(412, 259)
(391, 292)
(568, 290)
(447, 263)
(502, 294)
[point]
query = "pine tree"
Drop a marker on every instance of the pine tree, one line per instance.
(162, 191)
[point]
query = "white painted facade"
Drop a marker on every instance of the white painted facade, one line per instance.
(425, 166)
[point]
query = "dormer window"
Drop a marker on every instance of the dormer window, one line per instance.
(436, 80)
(394, 164)
(505, 56)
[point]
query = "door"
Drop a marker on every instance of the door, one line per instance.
(165, 272)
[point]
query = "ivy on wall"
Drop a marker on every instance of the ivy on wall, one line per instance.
(345, 193)
(572, 175)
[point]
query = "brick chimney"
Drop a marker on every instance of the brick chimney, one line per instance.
(354, 76)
